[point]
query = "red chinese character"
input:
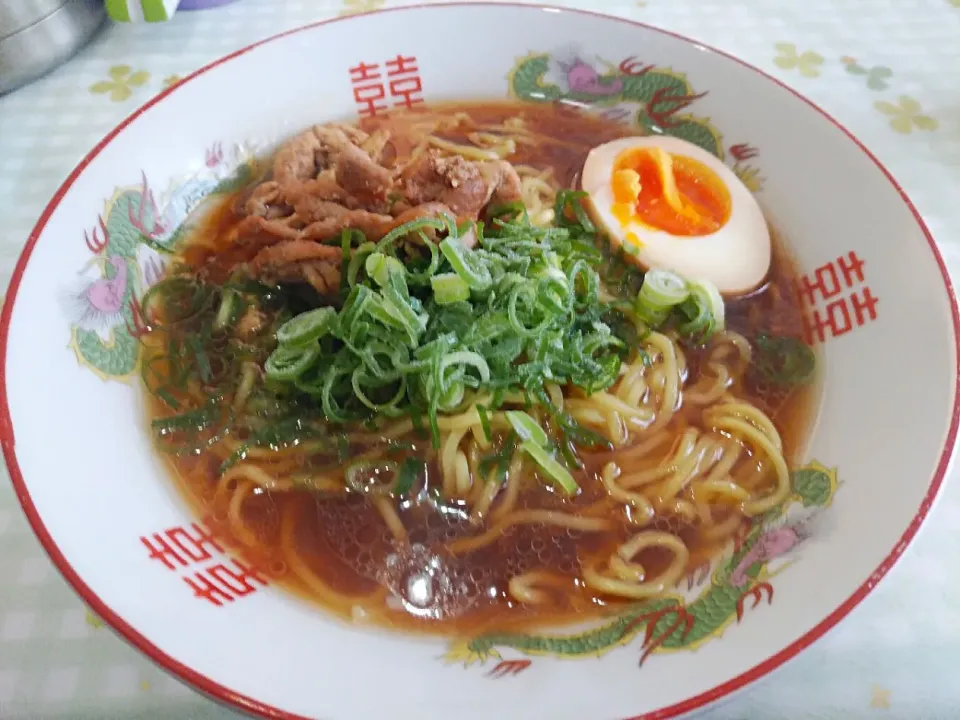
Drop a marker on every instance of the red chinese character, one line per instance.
(851, 267)
(238, 580)
(364, 72)
(194, 546)
(368, 93)
(369, 98)
(836, 319)
(864, 309)
(408, 90)
(834, 322)
(401, 65)
(827, 283)
(406, 87)
(220, 582)
(203, 588)
(161, 550)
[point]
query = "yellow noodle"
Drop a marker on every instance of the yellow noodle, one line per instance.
(683, 508)
(771, 449)
(639, 590)
(448, 462)
(248, 379)
(538, 197)
(616, 428)
(471, 152)
(390, 517)
(480, 436)
(488, 493)
(238, 526)
(608, 476)
(685, 448)
(462, 473)
(704, 513)
(686, 467)
(666, 377)
(254, 452)
(589, 416)
(522, 587)
(632, 386)
(645, 448)
(744, 351)
(318, 482)
(256, 475)
(528, 517)
(704, 393)
(748, 413)
(723, 487)
(512, 492)
(555, 394)
(626, 570)
(478, 482)
(722, 469)
(637, 415)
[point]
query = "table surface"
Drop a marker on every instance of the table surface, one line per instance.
(887, 69)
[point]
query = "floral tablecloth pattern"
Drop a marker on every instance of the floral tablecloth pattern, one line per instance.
(887, 69)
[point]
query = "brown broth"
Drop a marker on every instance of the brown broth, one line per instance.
(343, 539)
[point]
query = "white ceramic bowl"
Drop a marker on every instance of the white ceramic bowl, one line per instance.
(105, 510)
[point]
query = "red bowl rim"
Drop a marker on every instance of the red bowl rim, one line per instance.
(250, 705)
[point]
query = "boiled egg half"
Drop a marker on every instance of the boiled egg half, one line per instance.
(674, 206)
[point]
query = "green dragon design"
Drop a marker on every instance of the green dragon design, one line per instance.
(672, 623)
(128, 245)
(101, 336)
(652, 98)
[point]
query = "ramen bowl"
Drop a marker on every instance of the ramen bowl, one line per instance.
(101, 499)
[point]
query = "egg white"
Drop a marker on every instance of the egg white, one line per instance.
(735, 258)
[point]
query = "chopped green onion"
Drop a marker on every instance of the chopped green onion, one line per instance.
(380, 266)
(477, 276)
(554, 471)
(306, 328)
(227, 311)
(190, 420)
(466, 358)
(362, 476)
(418, 329)
(182, 297)
(498, 463)
(419, 224)
(484, 422)
(704, 310)
(357, 261)
(449, 288)
(571, 199)
(195, 343)
(661, 291)
(289, 363)
(785, 361)
(410, 470)
(526, 427)
(389, 407)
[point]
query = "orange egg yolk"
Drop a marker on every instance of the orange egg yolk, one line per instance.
(672, 193)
